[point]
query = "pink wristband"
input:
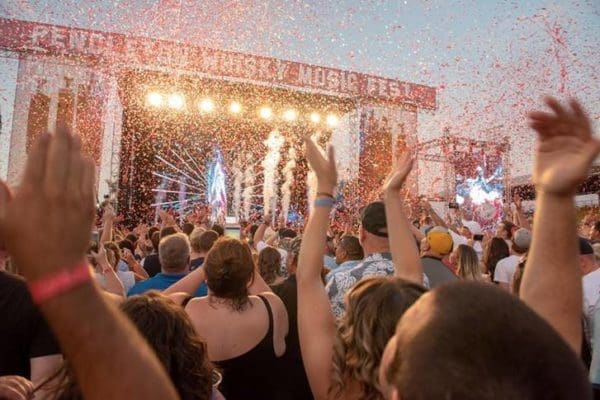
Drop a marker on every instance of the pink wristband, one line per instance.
(61, 282)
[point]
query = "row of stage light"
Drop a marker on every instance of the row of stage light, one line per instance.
(177, 101)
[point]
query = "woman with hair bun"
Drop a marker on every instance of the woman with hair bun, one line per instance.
(243, 323)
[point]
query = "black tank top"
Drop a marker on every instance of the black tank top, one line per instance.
(254, 374)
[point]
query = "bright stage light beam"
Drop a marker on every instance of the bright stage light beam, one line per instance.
(266, 113)
(315, 118)
(235, 107)
(290, 115)
(176, 101)
(332, 120)
(206, 105)
(154, 99)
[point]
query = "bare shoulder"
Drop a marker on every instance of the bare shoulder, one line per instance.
(272, 298)
(195, 306)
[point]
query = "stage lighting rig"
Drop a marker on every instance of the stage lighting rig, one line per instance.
(176, 101)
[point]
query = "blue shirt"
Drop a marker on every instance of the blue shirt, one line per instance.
(161, 282)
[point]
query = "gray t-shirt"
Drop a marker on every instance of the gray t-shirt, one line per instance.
(437, 272)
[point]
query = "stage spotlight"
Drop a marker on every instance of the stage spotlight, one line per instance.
(207, 105)
(266, 113)
(176, 101)
(315, 118)
(290, 115)
(235, 107)
(332, 120)
(154, 99)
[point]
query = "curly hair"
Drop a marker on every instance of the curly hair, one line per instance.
(171, 335)
(229, 268)
(269, 264)
(374, 306)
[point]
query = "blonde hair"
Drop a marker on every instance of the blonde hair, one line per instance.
(374, 306)
(467, 263)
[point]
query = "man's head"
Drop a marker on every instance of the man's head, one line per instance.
(202, 241)
(174, 253)
(439, 241)
(219, 229)
(587, 258)
(470, 228)
(521, 241)
(287, 233)
(133, 238)
(187, 228)
(439, 329)
(348, 249)
(373, 233)
(166, 231)
(595, 232)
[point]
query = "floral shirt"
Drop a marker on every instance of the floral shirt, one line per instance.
(376, 264)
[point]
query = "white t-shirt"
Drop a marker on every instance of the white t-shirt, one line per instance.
(127, 278)
(591, 293)
(505, 269)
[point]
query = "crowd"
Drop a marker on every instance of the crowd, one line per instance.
(411, 305)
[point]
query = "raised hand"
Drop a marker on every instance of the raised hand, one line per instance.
(55, 200)
(109, 213)
(324, 167)
(101, 258)
(14, 387)
(518, 201)
(398, 176)
(566, 148)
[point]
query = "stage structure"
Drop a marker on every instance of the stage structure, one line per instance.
(147, 107)
(477, 169)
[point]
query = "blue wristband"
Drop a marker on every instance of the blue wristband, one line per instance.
(324, 202)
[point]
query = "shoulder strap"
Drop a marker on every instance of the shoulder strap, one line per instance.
(270, 312)
(185, 301)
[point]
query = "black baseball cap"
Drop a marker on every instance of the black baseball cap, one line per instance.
(372, 219)
(585, 247)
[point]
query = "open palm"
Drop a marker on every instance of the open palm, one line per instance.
(566, 148)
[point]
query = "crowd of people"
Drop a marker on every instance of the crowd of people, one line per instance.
(410, 305)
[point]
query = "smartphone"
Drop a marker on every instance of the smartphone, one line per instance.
(478, 238)
(95, 237)
(453, 204)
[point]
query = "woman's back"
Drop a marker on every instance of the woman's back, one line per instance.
(246, 344)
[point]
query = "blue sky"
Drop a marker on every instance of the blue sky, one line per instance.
(492, 60)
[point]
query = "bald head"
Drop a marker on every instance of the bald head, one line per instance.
(478, 342)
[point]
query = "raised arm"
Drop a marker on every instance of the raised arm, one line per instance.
(55, 200)
(259, 235)
(113, 283)
(109, 219)
(522, 220)
(552, 280)
(405, 254)
(316, 324)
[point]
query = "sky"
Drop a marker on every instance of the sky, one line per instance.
(492, 61)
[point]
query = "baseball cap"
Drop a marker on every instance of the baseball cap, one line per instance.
(522, 238)
(472, 226)
(585, 247)
(372, 219)
(440, 240)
